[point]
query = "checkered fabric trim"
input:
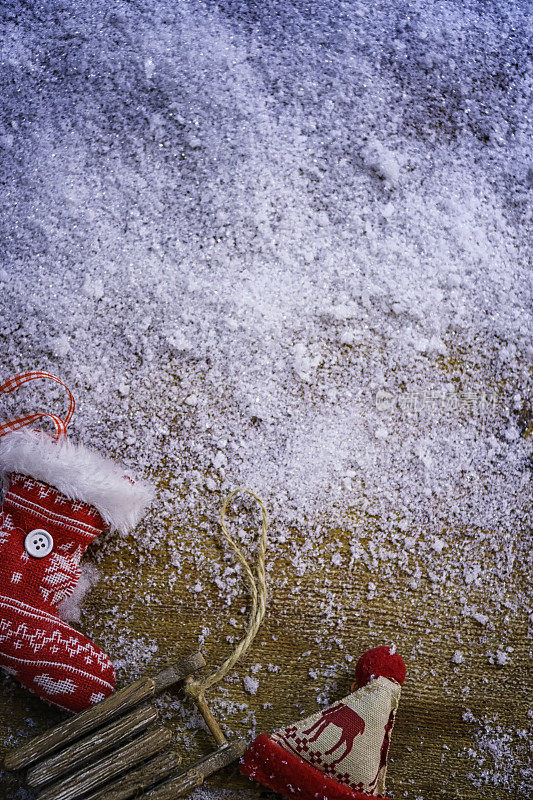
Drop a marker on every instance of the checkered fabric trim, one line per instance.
(60, 423)
(350, 740)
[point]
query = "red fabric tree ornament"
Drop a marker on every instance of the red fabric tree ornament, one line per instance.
(339, 753)
(58, 497)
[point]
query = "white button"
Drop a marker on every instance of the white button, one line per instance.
(39, 543)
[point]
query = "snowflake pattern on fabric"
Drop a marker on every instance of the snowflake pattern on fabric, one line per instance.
(42, 651)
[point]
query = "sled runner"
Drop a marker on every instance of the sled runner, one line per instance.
(115, 750)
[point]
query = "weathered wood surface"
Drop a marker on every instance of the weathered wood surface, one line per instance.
(210, 720)
(89, 748)
(177, 672)
(177, 787)
(100, 714)
(307, 638)
(194, 776)
(80, 724)
(139, 779)
(108, 767)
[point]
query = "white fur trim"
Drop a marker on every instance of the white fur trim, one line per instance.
(78, 473)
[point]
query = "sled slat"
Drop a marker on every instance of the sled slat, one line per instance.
(179, 671)
(100, 714)
(109, 767)
(191, 778)
(75, 727)
(142, 778)
(85, 750)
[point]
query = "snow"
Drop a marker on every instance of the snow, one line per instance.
(251, 685)
(70, 607)
(286, 247)
(494, 753)
(458, 657)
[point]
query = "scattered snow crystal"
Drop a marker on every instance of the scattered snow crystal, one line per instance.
(251, 685)
(458, 657)
(284, 245)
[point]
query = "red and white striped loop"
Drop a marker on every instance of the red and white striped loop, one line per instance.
(60, 423)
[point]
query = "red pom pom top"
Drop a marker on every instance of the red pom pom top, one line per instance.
(380, 661)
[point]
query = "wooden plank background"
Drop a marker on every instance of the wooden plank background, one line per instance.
(430, 752)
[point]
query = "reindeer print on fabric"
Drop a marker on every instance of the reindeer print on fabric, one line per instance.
(343, 717)
(347, 741)
(339, 753)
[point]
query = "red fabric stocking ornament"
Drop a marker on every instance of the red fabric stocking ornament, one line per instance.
(340, 753)
(58, 497)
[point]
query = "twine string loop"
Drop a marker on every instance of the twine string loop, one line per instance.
(258, 591)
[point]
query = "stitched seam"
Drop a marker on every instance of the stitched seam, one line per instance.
(14, 498)
(31, 611)
(50, 516)
(57, 664)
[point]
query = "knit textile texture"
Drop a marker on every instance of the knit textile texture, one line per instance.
(340, 752)
(45, 654)
(286, 773)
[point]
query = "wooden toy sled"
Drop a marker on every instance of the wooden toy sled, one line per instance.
(115, 750)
